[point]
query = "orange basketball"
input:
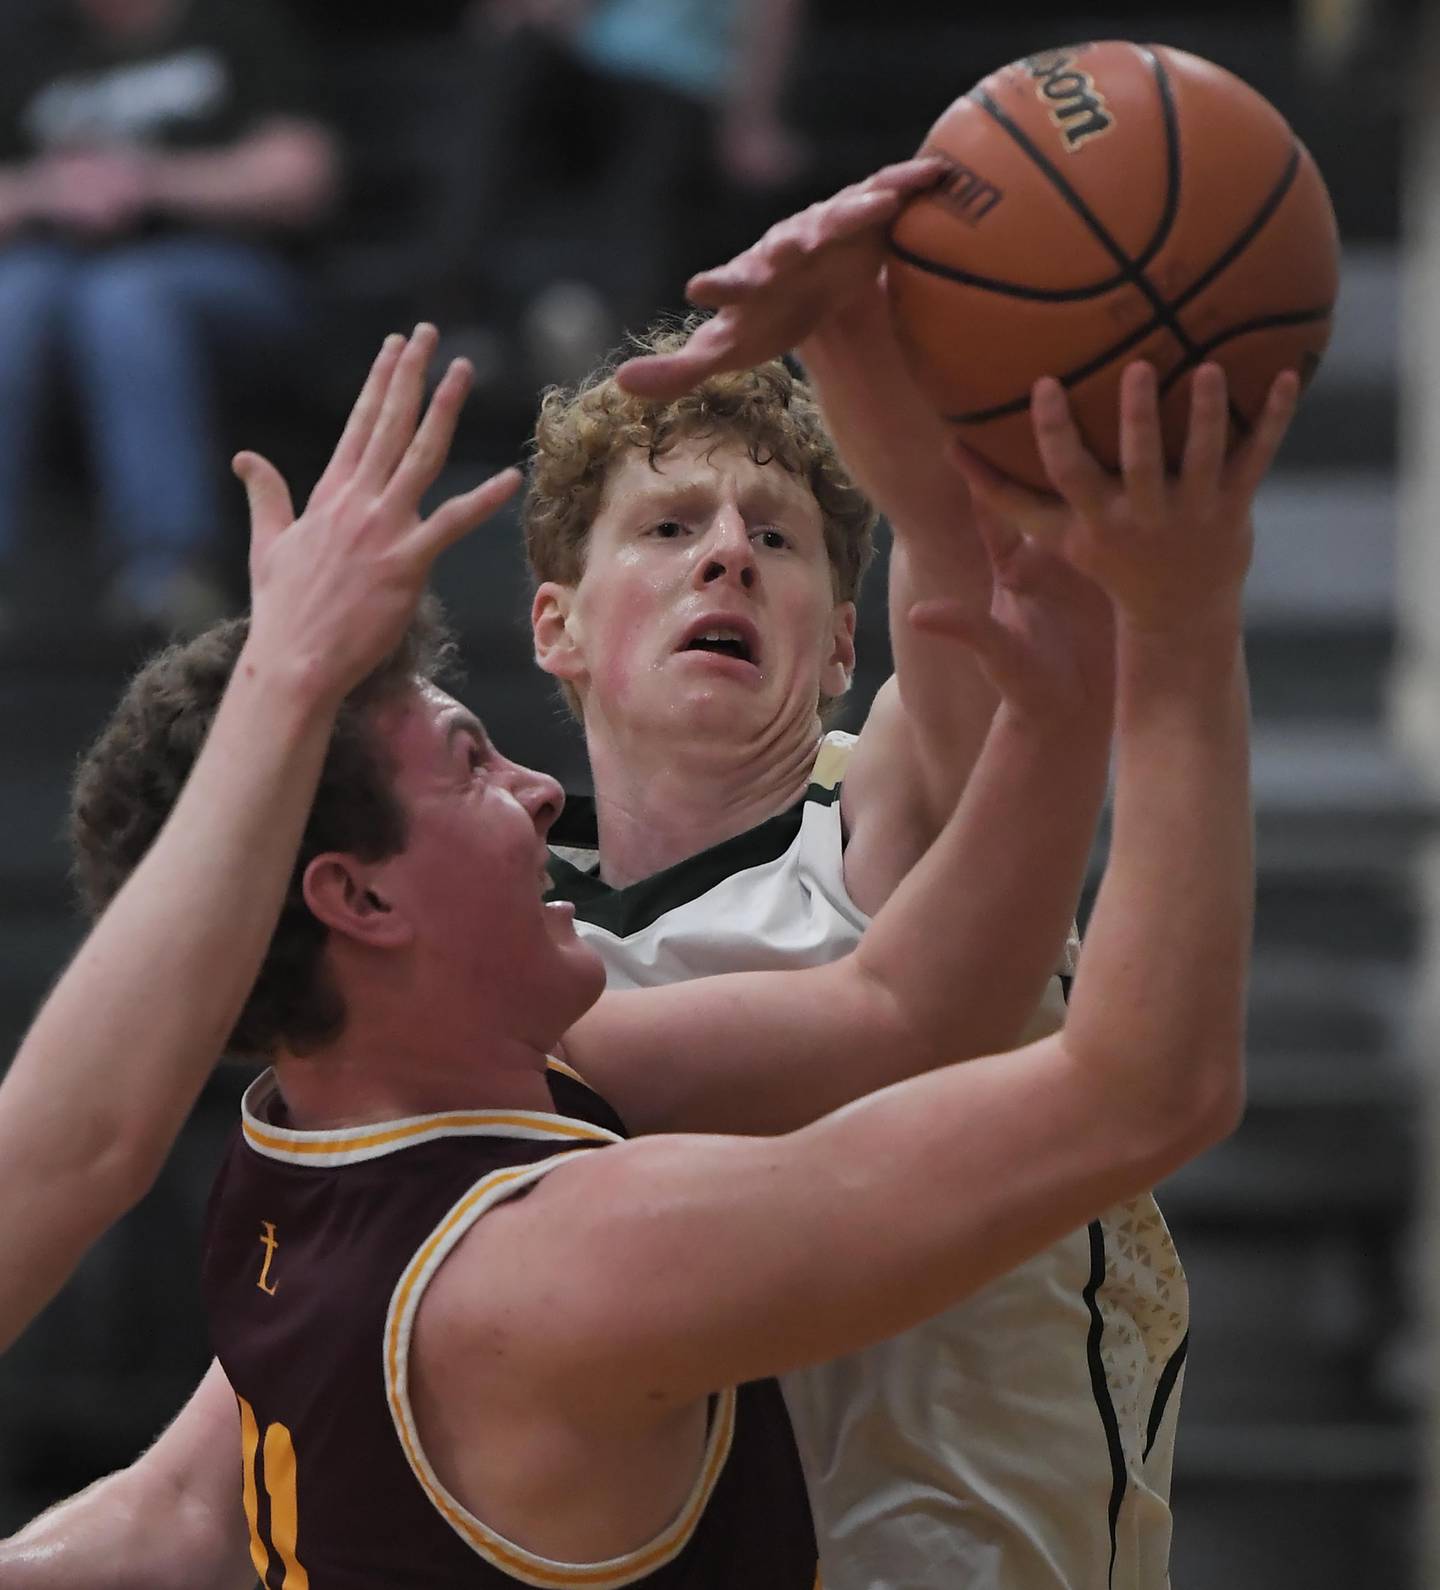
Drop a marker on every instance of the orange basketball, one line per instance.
(1106, 203)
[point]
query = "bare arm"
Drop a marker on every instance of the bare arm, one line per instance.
(171, 1521)
(79, 1144)
(111, 1065)
(284, 173)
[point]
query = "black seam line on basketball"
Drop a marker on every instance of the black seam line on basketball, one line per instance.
(1298, 317)
(1268, 207)
(1131, 271)
(1066, 295)
(1100, 1387)
(1163, 1389)
(1172, 160)
(987, 284)
(1074, 377)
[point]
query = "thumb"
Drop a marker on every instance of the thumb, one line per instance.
(1000, 654)
(267, 495)
(962, 621)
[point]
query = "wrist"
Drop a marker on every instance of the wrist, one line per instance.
(295, 685)
(1207, 630)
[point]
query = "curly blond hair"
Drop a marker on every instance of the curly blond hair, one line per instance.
(581, 432)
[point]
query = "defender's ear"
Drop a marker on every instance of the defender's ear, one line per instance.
(839, 667)
(556, 649)
(341, 893)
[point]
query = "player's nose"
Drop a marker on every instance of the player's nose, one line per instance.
(539, 794)
(727, 555)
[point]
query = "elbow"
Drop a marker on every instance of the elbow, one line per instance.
(119, 1171)
(1170, 1107)
(1205, 1106)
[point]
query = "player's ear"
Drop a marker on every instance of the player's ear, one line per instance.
(557, 647)
(342, 893)
(839, 667)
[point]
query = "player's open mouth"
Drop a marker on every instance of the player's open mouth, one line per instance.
(723, 637)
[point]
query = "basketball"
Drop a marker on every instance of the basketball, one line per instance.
(1106, 203)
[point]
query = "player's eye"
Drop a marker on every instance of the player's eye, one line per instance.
(668, 530)
(777, 540)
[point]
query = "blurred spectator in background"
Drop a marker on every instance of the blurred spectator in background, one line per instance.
(158, 170)
(685, 98)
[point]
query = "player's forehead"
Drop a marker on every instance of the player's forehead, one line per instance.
(703, 470)
(420, 724)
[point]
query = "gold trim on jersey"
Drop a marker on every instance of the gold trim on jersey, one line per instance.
(832, 759)
(501, 1553)
(552, 1064)
(348, 1145)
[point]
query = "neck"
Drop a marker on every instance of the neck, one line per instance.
(660, 802)
(371, 1073)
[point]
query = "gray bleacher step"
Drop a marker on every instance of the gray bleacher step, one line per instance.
(1325, 672)
(1343, 1454)
(1301, 1169)
(1325, 549)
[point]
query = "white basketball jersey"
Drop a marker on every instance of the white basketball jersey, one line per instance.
(1023, 1439)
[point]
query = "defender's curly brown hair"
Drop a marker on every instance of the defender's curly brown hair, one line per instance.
(768, 410)
(129, 780)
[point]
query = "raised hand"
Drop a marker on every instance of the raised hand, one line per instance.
(333, 590)
(1047, 643)
(771, 297)
(1169, 550)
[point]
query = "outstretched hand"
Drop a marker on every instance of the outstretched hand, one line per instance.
(1047, 643)
(333, 590)
(771, 297)
(1170, 551)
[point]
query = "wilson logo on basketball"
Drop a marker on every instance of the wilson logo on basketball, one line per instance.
(965, 193)
(1076, 106)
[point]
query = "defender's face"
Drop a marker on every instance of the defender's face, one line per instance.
(707, 601)
(471, 877)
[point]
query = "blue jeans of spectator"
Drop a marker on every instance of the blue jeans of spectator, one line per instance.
(141, 334)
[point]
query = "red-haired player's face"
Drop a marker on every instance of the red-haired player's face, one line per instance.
(471, 877)
(707, 604)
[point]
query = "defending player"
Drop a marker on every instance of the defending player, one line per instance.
(731, 835)
(768, 1216)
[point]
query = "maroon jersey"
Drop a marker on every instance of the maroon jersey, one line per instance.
(318, 1249)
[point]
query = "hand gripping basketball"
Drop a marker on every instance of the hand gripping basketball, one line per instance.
(1170, 551)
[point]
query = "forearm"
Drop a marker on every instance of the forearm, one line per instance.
(112, 1063)
(1164, 968)
(965, 945)
(892, 441)
(171, 1521)
(282, 175)
(894, 445)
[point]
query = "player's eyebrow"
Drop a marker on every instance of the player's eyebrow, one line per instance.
(464, 722)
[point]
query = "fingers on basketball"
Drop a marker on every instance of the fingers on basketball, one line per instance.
(1207, 434)
(1069, 465)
